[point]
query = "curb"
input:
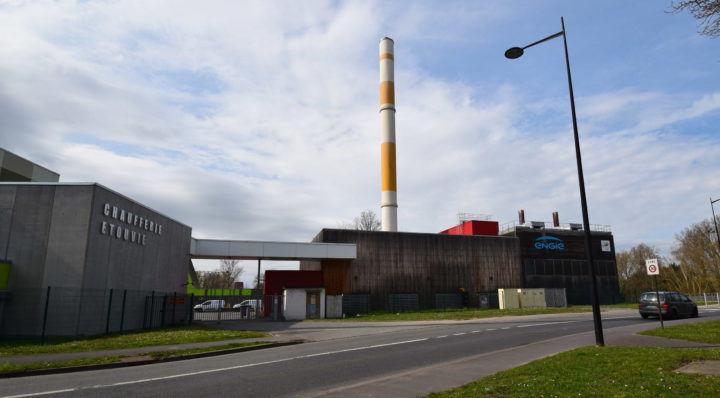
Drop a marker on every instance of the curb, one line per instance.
(82, 368)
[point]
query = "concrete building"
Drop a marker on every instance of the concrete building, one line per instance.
(85, 237)
(15, 168)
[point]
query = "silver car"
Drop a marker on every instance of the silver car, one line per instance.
(672, 305)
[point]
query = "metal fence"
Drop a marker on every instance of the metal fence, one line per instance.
(61, 311)
(404, 302)
(706, 299)
(233, 308)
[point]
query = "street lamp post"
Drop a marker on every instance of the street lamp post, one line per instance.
(517, 52)
(715, 220)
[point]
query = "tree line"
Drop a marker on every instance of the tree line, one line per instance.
(693, 267)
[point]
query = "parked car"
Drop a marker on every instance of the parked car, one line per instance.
(672, 305)
(210, 305)
(246, 306)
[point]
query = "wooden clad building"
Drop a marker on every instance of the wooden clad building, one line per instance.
(425, 264)
(555, 258)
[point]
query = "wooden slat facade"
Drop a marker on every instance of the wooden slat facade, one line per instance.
(426, 264)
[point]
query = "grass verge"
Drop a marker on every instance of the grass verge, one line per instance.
(454, 314)
(157, 355)
(155, 337)
(703, 332)
(600, 372)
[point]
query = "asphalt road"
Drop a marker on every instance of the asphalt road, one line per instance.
(406, 361)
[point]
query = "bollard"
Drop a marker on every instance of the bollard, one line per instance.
(705, 298)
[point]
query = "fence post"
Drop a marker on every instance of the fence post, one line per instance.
(45, 313)
(107, 321)
(717, 295)
(190, 309)
(122, 311)
(145, 317)
(172, 318)
(163, 312)
(705, 298)
(152, 309)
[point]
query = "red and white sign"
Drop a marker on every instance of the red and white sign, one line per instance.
(652, 266)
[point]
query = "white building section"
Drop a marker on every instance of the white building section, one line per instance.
(254, 250)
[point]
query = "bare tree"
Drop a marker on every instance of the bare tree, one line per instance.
(221, 278)
(632, 275)
(366, 221)
(708, 11)
(698, 257)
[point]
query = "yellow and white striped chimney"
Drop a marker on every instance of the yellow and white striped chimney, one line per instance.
(388, 197)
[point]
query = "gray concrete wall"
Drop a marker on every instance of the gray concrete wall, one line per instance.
(26, 241)
(160, 263)
(59, 235)
(67, 237)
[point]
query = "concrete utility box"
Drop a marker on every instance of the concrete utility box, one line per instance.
(303, 303)
(508, 298)
(532, 298)
(334, 306)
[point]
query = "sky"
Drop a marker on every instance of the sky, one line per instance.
(258, 120)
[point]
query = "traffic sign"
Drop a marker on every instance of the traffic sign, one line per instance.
(652, 266)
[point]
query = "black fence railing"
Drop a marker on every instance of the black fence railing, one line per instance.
(62, 311)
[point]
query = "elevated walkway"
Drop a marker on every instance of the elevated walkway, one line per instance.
(259, 250)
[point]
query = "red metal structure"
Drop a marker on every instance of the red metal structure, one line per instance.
(276, 281)
(474, 227)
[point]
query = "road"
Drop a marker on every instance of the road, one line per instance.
(403, 361)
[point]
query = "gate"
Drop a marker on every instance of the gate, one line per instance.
(235, 308)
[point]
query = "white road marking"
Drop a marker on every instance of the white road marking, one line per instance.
(476, 331)
(40, 393)
(459, 334)
(546, 323)
(505, 328)
(489, 330)
(441, 337)
(212, 370)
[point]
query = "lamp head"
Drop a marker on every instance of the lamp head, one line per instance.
(515, 52)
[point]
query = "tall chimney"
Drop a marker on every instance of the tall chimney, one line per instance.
(556, 219)
(388, 198)
(521, 217)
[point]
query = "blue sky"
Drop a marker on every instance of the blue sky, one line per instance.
(258, 120)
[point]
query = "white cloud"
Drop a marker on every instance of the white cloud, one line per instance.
(257, 121)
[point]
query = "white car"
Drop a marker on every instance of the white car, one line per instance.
(246, 306)
(210, 305)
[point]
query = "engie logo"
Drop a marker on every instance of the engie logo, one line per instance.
(549, 243)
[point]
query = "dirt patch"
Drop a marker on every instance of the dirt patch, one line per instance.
(711, 368)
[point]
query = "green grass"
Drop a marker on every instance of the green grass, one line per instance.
(633, 306)
(19, 367)
(454, 314)
(600, 372)
(8, 368)
(703, 332)
(155, 337)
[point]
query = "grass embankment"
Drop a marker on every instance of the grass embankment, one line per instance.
(157, 337)
(607, 372)
(703, 332)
